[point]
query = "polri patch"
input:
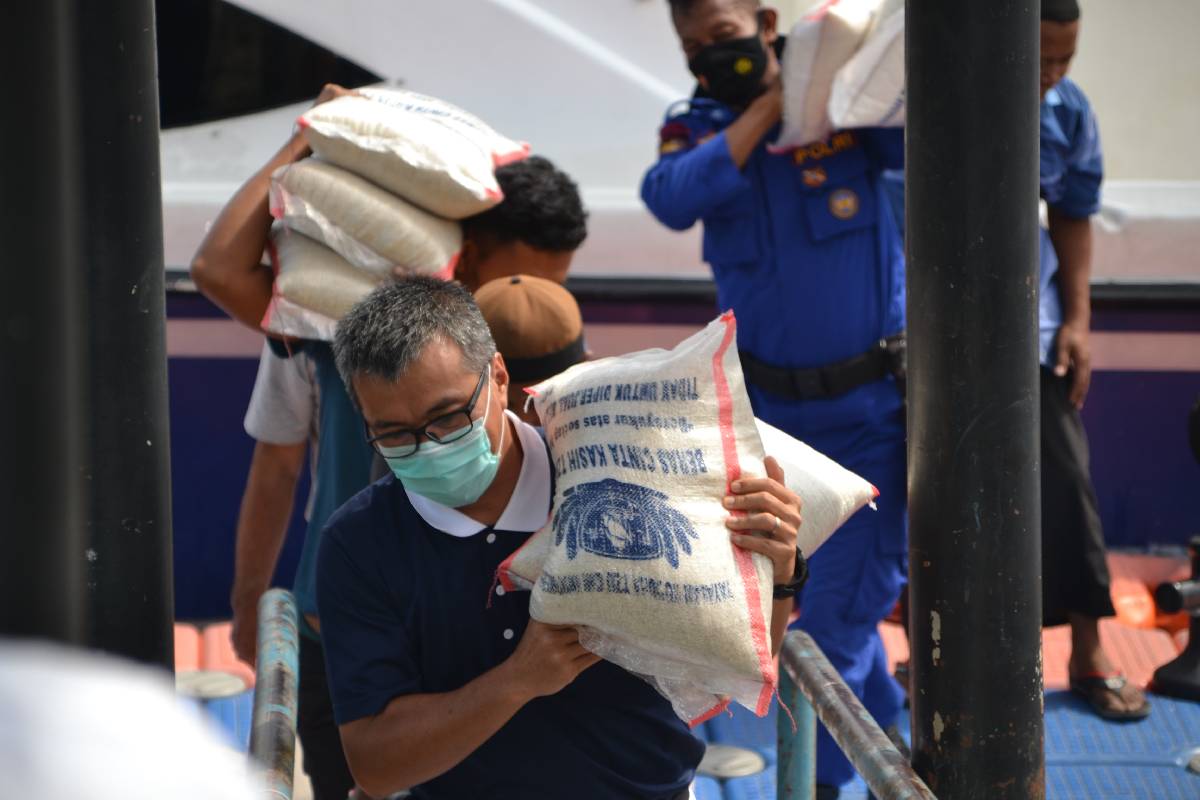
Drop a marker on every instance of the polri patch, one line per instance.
(843, 203)
(814, 177)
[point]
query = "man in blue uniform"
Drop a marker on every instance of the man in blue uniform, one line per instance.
(1074, 572)
(806, 252)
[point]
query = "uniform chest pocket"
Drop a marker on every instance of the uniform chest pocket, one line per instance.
(846, 206)
(731, 234)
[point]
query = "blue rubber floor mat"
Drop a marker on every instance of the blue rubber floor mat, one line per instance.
(1088, 757)
(740, 727)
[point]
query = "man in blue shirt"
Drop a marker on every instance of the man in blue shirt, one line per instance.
(804, 249)
(440, 681)
(535, 230)
(1074, 572)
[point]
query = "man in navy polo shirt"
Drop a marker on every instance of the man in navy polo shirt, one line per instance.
(440, 681)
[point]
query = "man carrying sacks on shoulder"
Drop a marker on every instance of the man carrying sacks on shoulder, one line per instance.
(535, 229)
(440, 680)
(805, 252)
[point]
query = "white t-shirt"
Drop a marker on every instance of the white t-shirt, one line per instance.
(285, 406)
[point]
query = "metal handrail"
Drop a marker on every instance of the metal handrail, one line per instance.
(811, 688)
(277, 676)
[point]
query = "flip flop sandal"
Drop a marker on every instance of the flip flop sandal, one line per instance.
(1094, 687)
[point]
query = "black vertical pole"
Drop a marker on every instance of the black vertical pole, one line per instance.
(974, 504)
(41, 505)
(129, 586)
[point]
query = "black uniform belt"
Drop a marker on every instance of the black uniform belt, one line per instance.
(885, 358)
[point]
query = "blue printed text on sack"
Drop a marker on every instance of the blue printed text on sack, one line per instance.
(692, 594)
(665, 461)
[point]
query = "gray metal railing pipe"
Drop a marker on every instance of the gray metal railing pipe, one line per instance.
(277, 677)
(885, 770)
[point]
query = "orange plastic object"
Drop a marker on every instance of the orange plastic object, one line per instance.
(1150, 571)
(187, 647)
(1133, 602)
(218, 653)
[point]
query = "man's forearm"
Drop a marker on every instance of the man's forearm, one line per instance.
(264, 516)
(419, 737)
(1072, 240)
(781, 612)
(745, 132)
(227, 267)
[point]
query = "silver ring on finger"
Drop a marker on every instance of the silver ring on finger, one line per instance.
(775, 527)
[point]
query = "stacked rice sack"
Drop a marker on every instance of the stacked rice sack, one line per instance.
(843, 68)
(636, 552)
(393, 172)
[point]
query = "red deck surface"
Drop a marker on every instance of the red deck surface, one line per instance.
(1132, 640)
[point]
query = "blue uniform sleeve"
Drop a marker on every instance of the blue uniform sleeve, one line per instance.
(884, 146)
(1080, 190)
(690, 180)
(368, 648)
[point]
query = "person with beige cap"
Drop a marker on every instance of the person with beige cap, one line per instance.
(538, 329)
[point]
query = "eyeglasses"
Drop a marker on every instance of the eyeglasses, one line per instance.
(403, 442)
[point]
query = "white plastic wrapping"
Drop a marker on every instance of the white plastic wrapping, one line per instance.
(869, 90)
(311, 276)
(427, 151)
(817, 47)
(372, 229)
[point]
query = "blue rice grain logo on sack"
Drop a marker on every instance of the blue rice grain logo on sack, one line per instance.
(621, 520)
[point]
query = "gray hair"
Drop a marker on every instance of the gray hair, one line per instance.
(386, 331)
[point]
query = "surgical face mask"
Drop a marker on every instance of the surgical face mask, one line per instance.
(733, 70)
(455, 474)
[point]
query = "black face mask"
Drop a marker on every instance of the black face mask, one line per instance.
(733, 69)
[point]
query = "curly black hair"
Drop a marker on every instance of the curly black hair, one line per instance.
(1060, 10)
(541, 208)
(684, 7)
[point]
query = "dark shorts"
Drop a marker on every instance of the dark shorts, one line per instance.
(1074, 572)
(324, 760)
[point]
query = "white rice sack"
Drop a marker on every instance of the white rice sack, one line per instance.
(869, 90)
(817, 47)
(285, 318)
(425, 150)
(644, 448)
(372, 229)
(310, 275)
(829, 494)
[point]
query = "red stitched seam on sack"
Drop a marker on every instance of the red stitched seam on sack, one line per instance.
(820, 11)
(712, 712)
(743, 558)
(273, 254)
(502, 572)
(446, 273)
(511, 156)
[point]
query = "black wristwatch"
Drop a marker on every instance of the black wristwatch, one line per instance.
(799, 578)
